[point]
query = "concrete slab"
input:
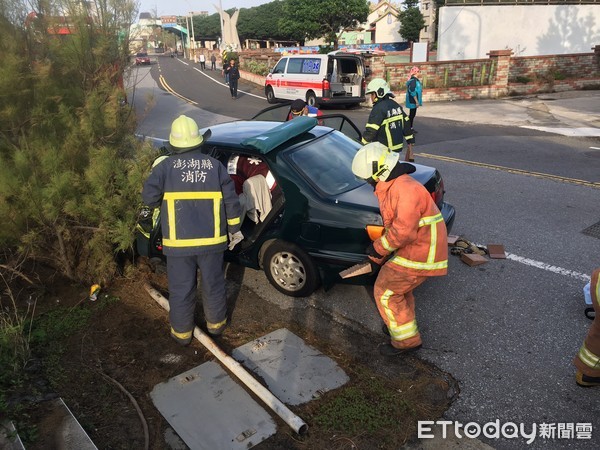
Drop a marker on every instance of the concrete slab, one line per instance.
(60, 426)
(293, 371)
(208, 410)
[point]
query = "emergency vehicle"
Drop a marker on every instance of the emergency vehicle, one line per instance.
(335, 78)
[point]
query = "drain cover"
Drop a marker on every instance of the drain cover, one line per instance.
(293, 371)
(593, 231)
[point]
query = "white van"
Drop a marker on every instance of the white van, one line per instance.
(335, 78)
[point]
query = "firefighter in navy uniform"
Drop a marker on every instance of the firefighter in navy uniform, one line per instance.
(199, 212)
(387, 123)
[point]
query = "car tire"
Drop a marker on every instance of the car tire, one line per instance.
(290, 270)
(311, 99)
(270, 95)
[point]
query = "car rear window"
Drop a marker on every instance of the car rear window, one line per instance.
(327, 163)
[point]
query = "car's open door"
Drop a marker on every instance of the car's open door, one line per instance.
(340, 122)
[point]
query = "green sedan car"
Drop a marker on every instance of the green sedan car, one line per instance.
(321, 213)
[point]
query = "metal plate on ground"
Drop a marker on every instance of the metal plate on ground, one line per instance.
(209, 410)
(293, 371)
(593, 230)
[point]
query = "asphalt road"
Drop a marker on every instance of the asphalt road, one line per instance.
(506, 330)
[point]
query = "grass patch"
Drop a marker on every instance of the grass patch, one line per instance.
(368, 407)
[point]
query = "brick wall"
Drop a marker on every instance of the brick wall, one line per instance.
(497, 76)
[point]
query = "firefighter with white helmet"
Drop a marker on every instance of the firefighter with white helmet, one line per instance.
(200, 212)
(413, 247)
(387, 123)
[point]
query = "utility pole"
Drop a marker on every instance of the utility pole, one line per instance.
(187, 24)
(221, 19)
(193, 34)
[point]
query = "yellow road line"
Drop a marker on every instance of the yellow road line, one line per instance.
(171, 91)
(515, 171)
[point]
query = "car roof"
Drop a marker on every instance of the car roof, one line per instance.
(260, 137)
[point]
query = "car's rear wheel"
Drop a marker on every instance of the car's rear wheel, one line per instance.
(270, 94)
(290, 270)
(311, 98)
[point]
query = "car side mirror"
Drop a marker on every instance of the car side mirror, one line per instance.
(271, 70)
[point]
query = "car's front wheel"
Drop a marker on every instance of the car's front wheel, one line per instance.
(270, 94)
(290, 270)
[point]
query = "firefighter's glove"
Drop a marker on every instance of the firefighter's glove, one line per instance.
(372, 252)
(234, 239)
(145, 212)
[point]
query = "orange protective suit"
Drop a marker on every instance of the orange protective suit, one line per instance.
(588, 357)
(415, 244)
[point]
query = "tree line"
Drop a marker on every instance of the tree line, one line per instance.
(300, 20)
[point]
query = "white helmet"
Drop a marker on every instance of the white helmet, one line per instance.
(375, 161)
(379, 87)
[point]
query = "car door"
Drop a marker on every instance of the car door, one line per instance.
(340, 122)
(276, 77)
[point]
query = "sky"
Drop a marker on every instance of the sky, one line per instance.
(183, 7)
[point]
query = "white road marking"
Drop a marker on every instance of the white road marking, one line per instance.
(581, 132)
(548, 267)
(595, 148)
(223, 84)
(218, 82)
(543, 266)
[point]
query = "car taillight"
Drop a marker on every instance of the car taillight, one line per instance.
(363, 86)
(438, 194)
(326, 88)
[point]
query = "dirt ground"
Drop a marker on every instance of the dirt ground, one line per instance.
(125, 350)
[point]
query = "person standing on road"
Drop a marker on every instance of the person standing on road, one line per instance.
(202, 61)
(414, 95)
(199, 211)
(213, 62)
(587, 360)
(387, 123)
(232, 72)
(413, 247)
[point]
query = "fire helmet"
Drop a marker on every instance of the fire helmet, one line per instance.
(379, 87)
(374, 161)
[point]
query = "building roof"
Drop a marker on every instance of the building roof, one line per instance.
(145, 15)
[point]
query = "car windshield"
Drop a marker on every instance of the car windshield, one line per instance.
(327, 163)
(142, 55)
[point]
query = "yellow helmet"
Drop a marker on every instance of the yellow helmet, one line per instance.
(379, 87)
(375, 161)
(185, 134)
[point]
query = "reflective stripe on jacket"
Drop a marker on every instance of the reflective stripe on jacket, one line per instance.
(388, 124)
(198, 203)
(415, 231)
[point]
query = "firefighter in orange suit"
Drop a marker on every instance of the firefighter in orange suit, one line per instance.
(587, 360)
(414, 245)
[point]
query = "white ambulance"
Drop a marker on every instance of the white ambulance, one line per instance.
(335, 78)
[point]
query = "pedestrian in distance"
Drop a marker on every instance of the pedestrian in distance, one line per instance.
(587, 360)
(232, 72)
(387, 123)
(202, 61)
(213, 62)
(414, 95)
(300, 108)
(200, 211)
(412, 248)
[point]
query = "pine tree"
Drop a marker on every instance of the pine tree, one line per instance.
(70, 169)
